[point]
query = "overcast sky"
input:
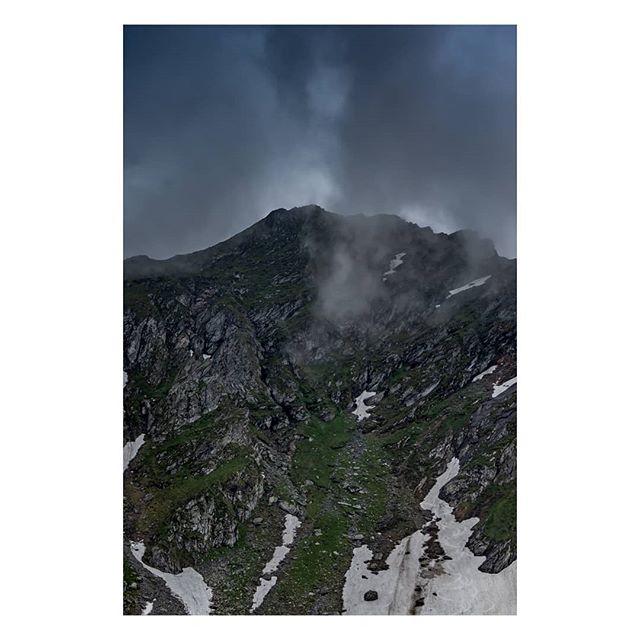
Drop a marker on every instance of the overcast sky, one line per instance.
(224, 124)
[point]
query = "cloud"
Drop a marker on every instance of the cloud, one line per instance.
(223, 124)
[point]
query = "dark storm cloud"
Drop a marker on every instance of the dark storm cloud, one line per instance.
(223, 124)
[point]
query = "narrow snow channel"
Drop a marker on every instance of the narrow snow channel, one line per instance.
(470, 285)
(362, 410)
(268, 579)
(487, 372)
(130, 451)
(148, 608)
(395, 262)
(501, 388)
(450, 586)
(188, 585)
(125, 379)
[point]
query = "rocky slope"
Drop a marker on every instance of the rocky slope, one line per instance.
(243, 363)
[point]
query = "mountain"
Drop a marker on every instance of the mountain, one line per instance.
(320, 418)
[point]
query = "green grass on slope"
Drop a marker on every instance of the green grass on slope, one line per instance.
(316, 453)
(318, 562)
(131, 582)
(501, 520)
(168, 474)
(184, 487)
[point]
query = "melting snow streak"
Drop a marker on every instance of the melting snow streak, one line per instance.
(188, 585)
(474, 283)
(487, 372)
(501, 388)
(291, 524)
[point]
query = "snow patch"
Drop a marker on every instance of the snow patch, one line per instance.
(470, 285)
(362, 410)
(205, 356)
(501, 388)
(487, 372)
(191, 353)
(130, 450)
(395, 262)
(460, 587)
(188, 585)
(125, 379)
(148, 608)
(268, 580)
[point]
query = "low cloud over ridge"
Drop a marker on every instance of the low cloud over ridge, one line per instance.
(223, 124)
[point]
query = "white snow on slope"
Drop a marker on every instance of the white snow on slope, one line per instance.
(188, 585)
(395, 262)
(362, 410)
(487, 372)
(148, 608)
(291, 524)
(125, 379)
(460, 587)
(130, 450)
(474, 283)
(205, 356)
(500, 388)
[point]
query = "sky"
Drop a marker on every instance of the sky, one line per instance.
(224, 124)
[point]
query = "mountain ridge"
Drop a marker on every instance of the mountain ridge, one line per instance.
(140, 266)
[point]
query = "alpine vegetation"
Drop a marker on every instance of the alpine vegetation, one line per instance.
(320, 418)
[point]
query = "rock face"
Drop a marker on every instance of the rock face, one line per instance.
(243, 365)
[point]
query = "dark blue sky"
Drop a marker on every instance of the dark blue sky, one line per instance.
(224, 124)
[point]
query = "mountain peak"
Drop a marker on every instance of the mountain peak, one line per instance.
(296, 368)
